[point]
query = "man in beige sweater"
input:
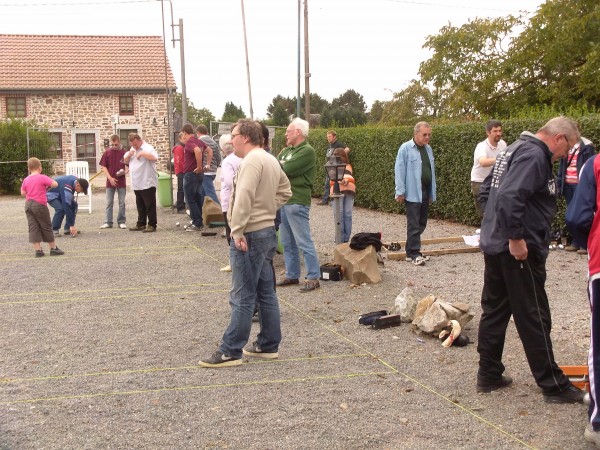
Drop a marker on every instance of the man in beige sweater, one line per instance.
(259, 189)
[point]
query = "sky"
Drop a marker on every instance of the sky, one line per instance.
(372, 46)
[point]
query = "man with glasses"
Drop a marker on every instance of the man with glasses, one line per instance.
(519, 199)
(259, 189)
(298, 161)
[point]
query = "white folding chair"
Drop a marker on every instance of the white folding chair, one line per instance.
(81, 169)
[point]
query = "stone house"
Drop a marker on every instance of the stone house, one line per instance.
(83, 89)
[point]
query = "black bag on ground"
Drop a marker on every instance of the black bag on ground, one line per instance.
(360, 241)
(369, 318)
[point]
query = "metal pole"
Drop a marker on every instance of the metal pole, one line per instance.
(306, 69)
(337, 215)
(167, 92)
(247, 61)
(299, 76)
(184, 103)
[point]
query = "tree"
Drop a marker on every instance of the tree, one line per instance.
(197, 116)
(288, 104)
(349, 99)
(410, 105)
(482, 69)
(280, 116)
(232, 113)
(376, 111)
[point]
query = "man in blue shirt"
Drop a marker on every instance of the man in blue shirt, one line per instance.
(61, 198)
(415, 187)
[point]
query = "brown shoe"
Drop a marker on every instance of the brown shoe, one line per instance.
(582, 252)
(310, 285)
(571, 248)
(288, 282)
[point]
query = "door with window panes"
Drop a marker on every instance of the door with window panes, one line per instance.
(86, 149)
(124, 135)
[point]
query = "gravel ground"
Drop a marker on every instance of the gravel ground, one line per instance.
(98, 349)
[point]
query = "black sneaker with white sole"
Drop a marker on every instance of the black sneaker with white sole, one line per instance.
(218, 359)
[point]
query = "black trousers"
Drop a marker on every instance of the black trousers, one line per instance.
(416, 222)
(180, 198)
(517, 288)
(145, 200)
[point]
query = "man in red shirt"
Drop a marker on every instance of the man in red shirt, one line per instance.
(113, 166)
(178, 163)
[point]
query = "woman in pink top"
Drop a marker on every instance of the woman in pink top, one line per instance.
(34, 189)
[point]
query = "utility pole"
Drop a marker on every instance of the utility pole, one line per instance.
(306, 69)
(299, 75)
(184, 103)
(247, 61)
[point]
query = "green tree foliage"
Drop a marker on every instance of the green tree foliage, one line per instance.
(376, 111)
(350, 99)
(410, 105)
(232, 113)
(285, 103)
(280, 116)
(197, 116)
(13, 147)
(347, 110)
(482, 69)
(317, 104)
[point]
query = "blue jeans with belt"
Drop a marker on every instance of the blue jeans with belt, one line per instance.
(295, 236)
(253, 283)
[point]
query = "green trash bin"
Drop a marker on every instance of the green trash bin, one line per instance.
(165, 190)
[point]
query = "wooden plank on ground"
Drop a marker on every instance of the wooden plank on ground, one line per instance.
(442, 240)
(401, 256)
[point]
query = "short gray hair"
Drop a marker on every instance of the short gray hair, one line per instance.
(420, 125)
(301, 125)
(562, 125)
(225, 144)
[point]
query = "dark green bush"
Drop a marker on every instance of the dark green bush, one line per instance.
(14, 155)
(374, 150)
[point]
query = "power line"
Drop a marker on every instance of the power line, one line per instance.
(77, 4)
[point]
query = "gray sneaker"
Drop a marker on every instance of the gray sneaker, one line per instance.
(218, 359)
(194, 228)
(254, 350)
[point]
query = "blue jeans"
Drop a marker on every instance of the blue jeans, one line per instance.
(59, 214)
(192, 187)
(208, 186)
(253, 283)
(416, 222)
(347, 203)
(294, 232)
(110, 198)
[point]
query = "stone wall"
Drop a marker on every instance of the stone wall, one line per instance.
(74, 113)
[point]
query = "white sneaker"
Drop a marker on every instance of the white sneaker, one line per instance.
(592, 436)
(105, 225)
(586, 399)
(419, 261)
(227, 268)
(122, 226)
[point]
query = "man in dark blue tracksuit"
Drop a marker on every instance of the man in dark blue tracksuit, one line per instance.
(62, 199)
(519, 199)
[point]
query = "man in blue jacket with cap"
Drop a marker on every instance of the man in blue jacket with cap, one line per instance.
(62, 199)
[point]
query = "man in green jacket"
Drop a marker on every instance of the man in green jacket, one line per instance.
(298, 161)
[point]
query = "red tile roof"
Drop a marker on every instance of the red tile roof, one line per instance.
(37, 62)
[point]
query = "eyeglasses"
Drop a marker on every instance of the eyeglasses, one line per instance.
(289, 131)
(234, 135)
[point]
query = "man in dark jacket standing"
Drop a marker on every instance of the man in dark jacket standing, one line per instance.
(519, 199)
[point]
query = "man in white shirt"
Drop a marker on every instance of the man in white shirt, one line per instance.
(485, 157)
(144, 179)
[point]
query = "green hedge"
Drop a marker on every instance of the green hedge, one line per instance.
(374, 150)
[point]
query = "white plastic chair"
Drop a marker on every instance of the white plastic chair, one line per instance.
(81, 169)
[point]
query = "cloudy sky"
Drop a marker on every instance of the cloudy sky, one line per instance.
(373, 46)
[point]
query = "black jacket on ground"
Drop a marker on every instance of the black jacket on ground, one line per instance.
(519, 197)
